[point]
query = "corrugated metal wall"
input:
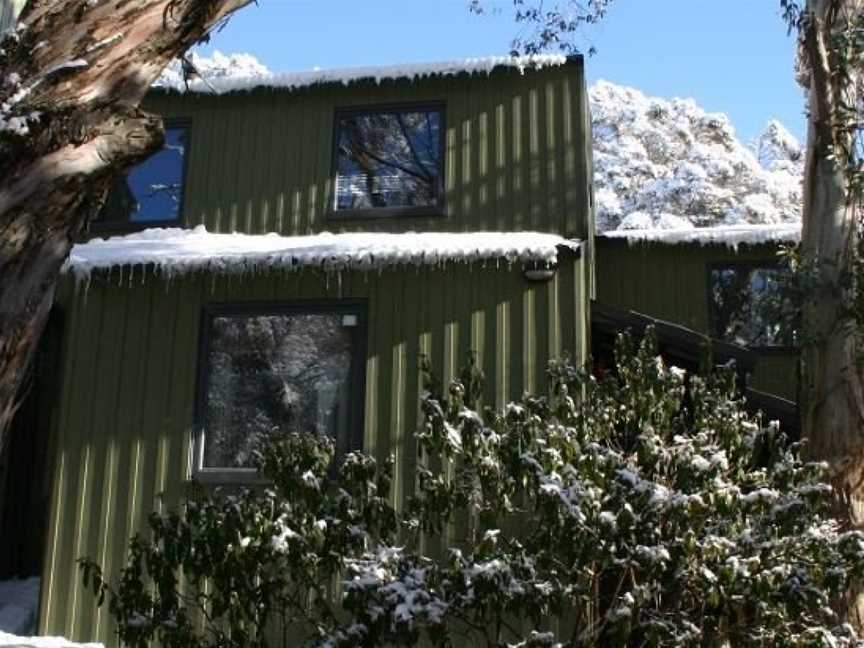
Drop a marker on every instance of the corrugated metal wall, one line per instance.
(671, 282)
(517, 153)
(124, 418)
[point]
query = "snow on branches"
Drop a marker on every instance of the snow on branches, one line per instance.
(653, 510)
(669, 164)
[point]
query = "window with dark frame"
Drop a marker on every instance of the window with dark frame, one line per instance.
(389, 161)
(742, 298)
(151, 194)
(270, 370)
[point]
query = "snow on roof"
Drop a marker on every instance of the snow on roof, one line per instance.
(730, 235)
(176, 251)
(229, 73)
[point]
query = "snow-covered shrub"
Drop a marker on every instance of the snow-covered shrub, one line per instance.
(646, 508)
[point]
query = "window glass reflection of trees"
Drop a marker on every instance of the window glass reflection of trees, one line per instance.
(274, 374)
(388, 159)
(743, 300)
(153, 190)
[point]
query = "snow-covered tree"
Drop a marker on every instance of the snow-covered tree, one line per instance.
(669, 164)
(651, 511)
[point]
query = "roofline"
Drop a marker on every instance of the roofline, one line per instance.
(303, 80)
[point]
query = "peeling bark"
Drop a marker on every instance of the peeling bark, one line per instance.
(833, 389)
(75, 72)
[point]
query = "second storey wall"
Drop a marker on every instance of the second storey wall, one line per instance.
(516, 153)
(670, 282)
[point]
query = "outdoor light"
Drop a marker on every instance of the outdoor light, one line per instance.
(538, 272)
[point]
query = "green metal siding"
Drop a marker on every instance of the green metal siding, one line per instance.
(671, 282)
(517, 153)
(123, 428)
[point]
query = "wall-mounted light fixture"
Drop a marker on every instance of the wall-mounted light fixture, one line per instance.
(539, 272)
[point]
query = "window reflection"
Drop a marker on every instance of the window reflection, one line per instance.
(152, 191)
(275, 374)
(742, 302)
(388, 159)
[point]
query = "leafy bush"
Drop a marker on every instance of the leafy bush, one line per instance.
(644, 509)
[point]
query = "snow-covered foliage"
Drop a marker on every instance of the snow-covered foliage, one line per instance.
(174, 251)
(669, 164)
(214, 70)
(15, 118)
(729, 235)
(651, 511)
(230, 73)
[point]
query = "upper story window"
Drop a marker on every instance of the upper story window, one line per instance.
(389, 161)
(274, 369)
(151, 194)
(743, 299)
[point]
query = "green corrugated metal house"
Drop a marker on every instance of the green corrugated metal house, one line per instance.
(181, 348)
(691, 277)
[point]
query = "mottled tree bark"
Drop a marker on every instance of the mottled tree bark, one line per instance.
(73, 74)
(833, 389)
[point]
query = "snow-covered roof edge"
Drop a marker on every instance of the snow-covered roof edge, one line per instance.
(346, 76)
(729, 235)
(174, 251)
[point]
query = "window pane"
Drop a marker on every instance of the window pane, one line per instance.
(742, 301)
(388, 159)
(274, 374)
(153, 189)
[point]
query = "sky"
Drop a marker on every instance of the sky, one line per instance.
(731, 56)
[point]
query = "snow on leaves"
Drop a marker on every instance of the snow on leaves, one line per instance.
(651, 511)
(668, 164)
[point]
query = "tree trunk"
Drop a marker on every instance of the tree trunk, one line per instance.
(833, 389)
(71, 78)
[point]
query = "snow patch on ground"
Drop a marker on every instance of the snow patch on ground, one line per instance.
(223, 73)
(19, 604)
(42, 642)
(176, 251)
(669, 164)
(729, 235)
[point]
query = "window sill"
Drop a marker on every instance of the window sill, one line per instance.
(228, 477)
(386, 212)
(775, 351)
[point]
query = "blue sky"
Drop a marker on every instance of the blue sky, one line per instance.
(731, 56)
